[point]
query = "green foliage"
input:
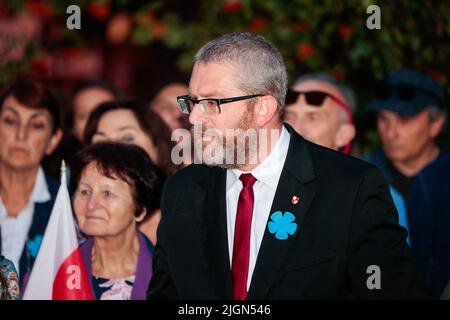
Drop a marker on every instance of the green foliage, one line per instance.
(327, 34)
(312, 35)
(330, 35)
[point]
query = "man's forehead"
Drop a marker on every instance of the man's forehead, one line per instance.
(311, 85)
(212, 78)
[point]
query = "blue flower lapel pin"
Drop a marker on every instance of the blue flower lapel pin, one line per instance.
(33, 245)
(282, 225)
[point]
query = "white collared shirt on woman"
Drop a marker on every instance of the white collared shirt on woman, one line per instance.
(15, 229)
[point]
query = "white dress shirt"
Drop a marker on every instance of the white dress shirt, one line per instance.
(267, 174)
(15, 229)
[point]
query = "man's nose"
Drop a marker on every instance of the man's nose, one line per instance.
(183, 121)
(196, 116)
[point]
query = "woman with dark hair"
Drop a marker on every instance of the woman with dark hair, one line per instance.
(9, 281)
(85, 97)
(163, 101)
(29, 130)
(117, 185)
(127, 121)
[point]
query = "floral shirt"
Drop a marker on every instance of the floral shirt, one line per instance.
(113, 289)
(10, 277)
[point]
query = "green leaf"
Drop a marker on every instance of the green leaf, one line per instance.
(141, 36)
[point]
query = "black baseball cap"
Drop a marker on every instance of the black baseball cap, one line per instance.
(408, 92)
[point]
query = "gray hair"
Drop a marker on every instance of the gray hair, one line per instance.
(260, 64)
(346, 91)
(435, 113)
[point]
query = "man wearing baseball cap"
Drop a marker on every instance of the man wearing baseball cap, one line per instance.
(410, 116)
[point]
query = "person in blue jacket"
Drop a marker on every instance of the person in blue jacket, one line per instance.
(409, 106)
(429, 209)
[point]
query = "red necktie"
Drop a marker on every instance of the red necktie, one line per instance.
(241, 244)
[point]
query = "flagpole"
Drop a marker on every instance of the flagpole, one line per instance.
(63, 172)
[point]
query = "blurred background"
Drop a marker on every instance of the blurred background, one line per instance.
(138, 44)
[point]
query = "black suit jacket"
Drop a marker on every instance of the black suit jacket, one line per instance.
(345, 219)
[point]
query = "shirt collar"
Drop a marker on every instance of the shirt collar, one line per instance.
(40, 191)
(268, 171)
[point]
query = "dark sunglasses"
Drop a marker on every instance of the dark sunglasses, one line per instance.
(404, 92)
(316, 99)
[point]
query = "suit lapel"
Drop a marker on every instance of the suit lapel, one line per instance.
(297, 179)
(214, 230)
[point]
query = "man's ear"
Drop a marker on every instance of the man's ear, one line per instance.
(344, 135)
(55, 139)
(265, 109)
(437, 125)
(141, 217)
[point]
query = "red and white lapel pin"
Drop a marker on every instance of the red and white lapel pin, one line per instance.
(295, 200)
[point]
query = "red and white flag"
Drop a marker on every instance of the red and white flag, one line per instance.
(58, 272)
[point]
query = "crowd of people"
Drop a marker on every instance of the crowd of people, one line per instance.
(120, 156)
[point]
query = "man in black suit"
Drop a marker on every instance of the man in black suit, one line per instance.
(285, 219)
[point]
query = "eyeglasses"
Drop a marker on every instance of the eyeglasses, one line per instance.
(316, 99)
(404, 92)
(209, 106)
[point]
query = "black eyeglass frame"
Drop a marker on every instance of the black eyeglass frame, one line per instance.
(188, 107)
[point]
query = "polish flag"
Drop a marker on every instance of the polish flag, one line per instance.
(58, 272)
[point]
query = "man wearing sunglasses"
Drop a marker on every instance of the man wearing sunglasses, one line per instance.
(301, 222)
(410, 115)
(321, 110)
